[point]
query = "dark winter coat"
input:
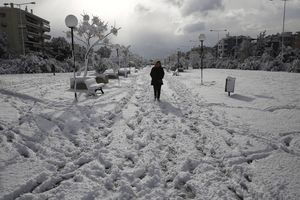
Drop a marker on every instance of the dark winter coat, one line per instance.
(157, 74)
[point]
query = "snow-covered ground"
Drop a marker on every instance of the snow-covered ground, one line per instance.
(197, 143)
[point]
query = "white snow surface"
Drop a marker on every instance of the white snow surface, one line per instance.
(196, 143)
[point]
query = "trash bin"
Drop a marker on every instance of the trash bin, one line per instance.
(229, 85)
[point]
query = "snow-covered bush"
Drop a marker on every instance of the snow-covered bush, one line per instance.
(9, 66)
(223, 63)
(291, 62)
(277, 65)
(104, 64)
(33, 63)
(294, 66)
(250, 63)
(273, 65)
(266, 57)
(290, 55)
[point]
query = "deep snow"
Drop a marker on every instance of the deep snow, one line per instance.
(197, 143)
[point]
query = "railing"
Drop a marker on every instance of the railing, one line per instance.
(33, 33)
(33, 42)
(45, 28)
(33, 25)
(47, 37)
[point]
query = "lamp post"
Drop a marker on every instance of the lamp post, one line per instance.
(21, 24)
(201, 38)
(218, 31)
(283, 23)
(71, 21)
(118, 64)
(178, 52)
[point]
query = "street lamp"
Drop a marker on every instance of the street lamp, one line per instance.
(178, 52)
(21, 24)
(71, 21)
(218, 30)
(201, 38)
(283, 22)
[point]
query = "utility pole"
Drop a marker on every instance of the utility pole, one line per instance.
(283, 21)
(283, 26)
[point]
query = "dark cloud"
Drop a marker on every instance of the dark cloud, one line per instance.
(202, 7)
(139, 8)
(195, 27)
(177, 3)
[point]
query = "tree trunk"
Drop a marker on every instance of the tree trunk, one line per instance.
(86, 62)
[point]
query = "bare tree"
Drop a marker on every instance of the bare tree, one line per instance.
(92, 32)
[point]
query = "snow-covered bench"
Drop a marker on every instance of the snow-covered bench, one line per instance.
(93, 86)
(175, 73)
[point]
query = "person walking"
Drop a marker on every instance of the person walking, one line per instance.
(53, 69)
(157, 74)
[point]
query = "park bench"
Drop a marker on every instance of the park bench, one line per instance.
(93, 86)
(175, 73)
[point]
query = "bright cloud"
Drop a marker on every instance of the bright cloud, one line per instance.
(149, 24)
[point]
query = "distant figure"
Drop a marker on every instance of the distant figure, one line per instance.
(53, 69)
(157, 74)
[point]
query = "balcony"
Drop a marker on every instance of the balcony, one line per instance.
(46, 28)
(33, 34)
(35, 26)
(46, 37)
(33, 43)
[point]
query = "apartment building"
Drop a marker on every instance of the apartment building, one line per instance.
(25, 31)
(297, 40)
(228, 47)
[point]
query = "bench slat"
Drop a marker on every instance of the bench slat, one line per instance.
(93, 86)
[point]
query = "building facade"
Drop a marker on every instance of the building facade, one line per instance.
(25, 31)
(229, 46)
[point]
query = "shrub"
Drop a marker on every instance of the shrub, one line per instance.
(33, 63)
(104, 64)
(294, 66)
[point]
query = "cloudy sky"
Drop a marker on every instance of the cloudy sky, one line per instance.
(156, 28)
